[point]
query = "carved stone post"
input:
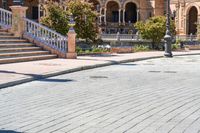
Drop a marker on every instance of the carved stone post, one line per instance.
(71, 50)
(18, 23)
(71, 54)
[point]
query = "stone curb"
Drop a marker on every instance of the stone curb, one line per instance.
(48, 75)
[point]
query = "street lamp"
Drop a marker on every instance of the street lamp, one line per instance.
(168, 37)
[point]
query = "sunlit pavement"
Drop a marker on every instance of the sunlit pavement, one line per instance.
(158, 95)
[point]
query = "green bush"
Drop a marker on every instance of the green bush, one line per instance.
(85, 18)
(79, 50)
(154, 29)
(175, 46)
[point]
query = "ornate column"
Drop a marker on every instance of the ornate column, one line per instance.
(177, 19)
(183, 22)
(100, 16)
(124, 16)
(119, 16)
(105, 15)
(138, 14)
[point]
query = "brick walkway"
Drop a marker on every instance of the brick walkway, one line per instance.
(151, 96)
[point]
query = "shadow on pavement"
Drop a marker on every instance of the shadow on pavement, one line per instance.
(56, 80)
(8, 131)
(39, 77)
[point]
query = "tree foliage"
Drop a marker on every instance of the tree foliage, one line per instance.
(154, 29)
(85, 18)
(57, 18)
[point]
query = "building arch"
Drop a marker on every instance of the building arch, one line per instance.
(132, 1)
(112, 11)
(189, 6)
(117, 1)
(192, 18)
(131, 15)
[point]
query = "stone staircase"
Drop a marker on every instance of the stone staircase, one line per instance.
(14, 49)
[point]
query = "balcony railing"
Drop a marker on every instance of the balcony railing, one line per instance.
(45, 35)
(120, 37)
(5, 18)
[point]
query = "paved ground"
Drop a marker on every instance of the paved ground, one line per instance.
(152, 96)
(21, 72)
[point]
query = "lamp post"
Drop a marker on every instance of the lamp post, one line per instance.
(168, 37)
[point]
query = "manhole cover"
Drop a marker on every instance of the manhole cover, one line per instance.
(98, 77)
(170, 72)
(148, 64)
(154, 71)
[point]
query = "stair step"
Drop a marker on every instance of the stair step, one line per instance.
(19, 49)
(13, 41)
(3, 30)
(9, 45)
(14, 49)
(18, 54)
(5, 34)
(29, 58)
(8, 37)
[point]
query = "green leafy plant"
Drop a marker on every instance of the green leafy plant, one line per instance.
(175, 46)
(141, 48)
(154, 29)
(85, 18)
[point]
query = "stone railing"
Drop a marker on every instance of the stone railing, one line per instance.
(187, 37)
(5, 18)
(20, 26)
(120, 37)
(45, 35)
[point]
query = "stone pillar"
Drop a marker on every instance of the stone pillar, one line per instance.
(138, 14)
(71, 52)
(18, 24)
(105, 15)
(119, 16)
(124, 16)
(100, 15)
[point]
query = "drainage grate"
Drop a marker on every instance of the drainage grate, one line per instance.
(98, 77)
(155, 71)
(170, 72)
(148, 64)
(191, 61)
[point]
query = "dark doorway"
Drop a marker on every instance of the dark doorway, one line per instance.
(112, 14)
(193, 14)
(34, 12)
(131, 12)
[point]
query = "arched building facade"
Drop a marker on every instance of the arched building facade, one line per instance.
(187, 15)
(119, 15)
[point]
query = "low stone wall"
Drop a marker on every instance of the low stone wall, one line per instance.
(121, 50)
(193, 47)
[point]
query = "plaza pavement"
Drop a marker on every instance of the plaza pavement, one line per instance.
(150, 96)
(16, 73)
